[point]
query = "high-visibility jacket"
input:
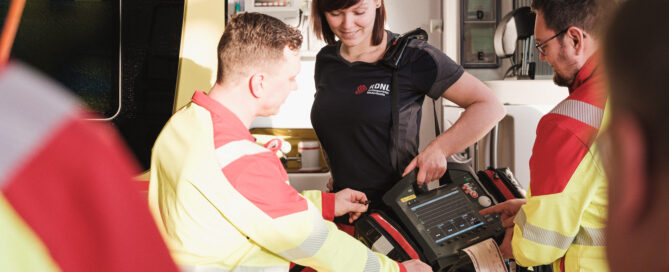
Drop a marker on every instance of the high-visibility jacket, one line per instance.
(564, 218)
(223, 202)
(67, 198)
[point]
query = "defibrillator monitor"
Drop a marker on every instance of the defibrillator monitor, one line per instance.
(444, 220)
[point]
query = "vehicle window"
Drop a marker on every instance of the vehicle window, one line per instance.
(75, 43)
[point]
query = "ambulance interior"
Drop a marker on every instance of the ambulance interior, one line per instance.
(134, 63)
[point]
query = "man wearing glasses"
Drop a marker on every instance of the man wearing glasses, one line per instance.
(562, 221)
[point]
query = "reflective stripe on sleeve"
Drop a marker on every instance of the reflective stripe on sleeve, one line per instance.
(581, 111)
(232, 151)
(585, 236)
(540, 235)
(590, 237)
(372, 264)
(312, 244)
(197, 268)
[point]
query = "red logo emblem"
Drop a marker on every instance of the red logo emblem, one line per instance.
(361, 89)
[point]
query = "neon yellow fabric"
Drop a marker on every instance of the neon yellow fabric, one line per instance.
(21, 249)
(206, 222)
(315, 197)
(555, 221)
(569, 224)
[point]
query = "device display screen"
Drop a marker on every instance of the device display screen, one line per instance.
(446, 216)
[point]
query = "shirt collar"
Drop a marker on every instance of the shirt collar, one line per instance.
(587, 71)
(222, 115)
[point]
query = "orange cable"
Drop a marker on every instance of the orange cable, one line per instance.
(9, 30)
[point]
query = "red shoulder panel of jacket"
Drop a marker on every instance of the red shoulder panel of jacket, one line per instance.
(556, 154)
(584, 132)
(261, 179)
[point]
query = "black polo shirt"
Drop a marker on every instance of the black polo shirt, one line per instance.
(352, 118)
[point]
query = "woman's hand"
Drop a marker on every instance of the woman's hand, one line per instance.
(482, 111)
(431, 164)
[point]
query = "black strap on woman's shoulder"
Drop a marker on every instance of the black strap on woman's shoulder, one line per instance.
(394, 108)
(436, 121)
(391, 59)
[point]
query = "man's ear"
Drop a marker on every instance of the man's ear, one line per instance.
(256, 85)
(634, 179)
(575, 38)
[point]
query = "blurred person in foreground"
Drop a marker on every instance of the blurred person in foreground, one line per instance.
(67, 199)
(635, 147)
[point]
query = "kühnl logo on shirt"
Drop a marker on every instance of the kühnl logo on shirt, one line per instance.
(380, 89)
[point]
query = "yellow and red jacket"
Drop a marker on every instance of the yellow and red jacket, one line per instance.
(223, 202)
(67, 199)
(564, 218)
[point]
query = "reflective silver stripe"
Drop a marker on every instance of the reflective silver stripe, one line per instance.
(197, 268)
(31, 106)
(261, 269)
(590, 237)
(581, 111)
(232, 151)
(372, 264)
(312, 244)
(585, 236)
(540, 235)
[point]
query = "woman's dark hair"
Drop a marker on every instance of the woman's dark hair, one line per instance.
(322, 28)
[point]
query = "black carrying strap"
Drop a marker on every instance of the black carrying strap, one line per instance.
(394, 108)
(392, 60)
(437, 131)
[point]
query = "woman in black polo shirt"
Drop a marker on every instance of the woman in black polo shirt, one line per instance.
(351, 113)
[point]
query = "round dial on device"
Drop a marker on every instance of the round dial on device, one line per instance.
(485, 201)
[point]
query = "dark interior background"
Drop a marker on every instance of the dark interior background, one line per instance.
(150, 48)
(77, 43)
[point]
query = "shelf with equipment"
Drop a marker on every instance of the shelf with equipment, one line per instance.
(478, 21)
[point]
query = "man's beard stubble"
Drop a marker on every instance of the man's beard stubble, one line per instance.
(562, 81)
(559, 79)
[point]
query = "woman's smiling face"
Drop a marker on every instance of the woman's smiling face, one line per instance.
(355, 24)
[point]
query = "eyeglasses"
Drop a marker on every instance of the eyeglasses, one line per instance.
(540, 46)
